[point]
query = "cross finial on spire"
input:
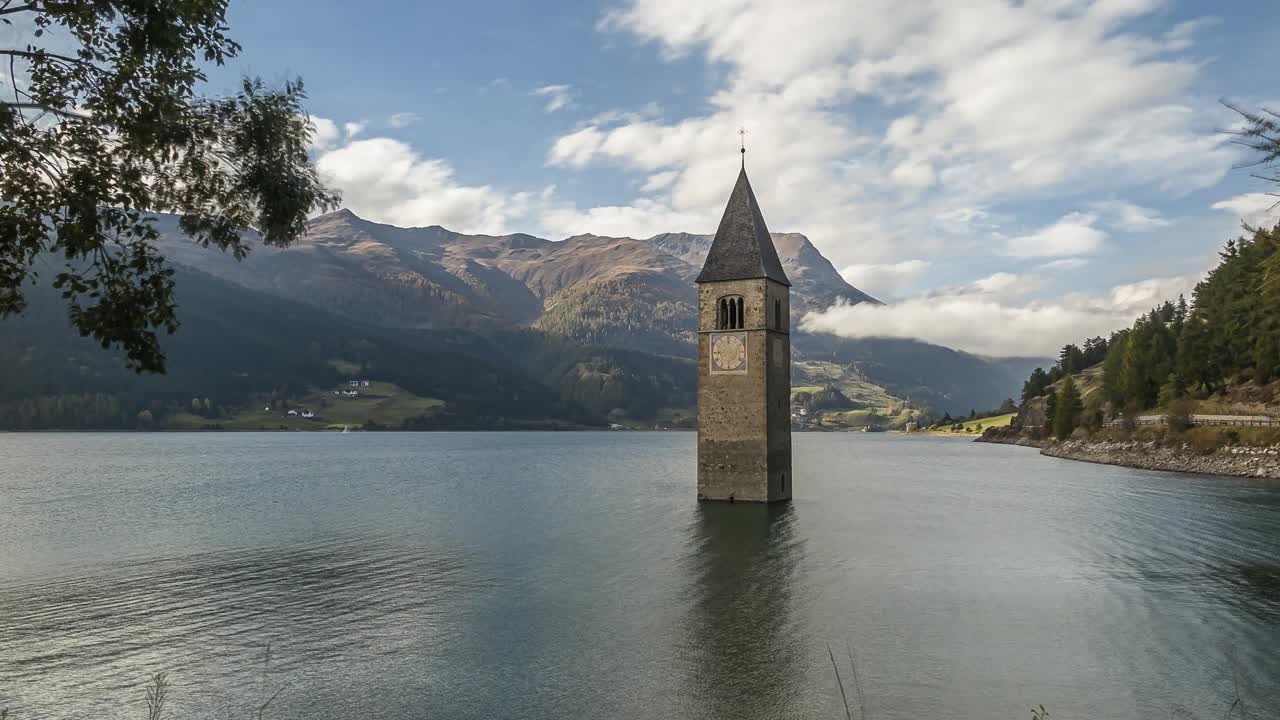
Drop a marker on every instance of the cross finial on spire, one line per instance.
(742, 133)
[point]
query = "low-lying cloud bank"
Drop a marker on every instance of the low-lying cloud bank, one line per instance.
(983, 319)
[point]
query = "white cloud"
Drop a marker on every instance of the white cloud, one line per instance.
(1129, 217)
(647, 111)
(558, 97)
(986, 323)
(967, 221)
(913, 174)
(886, 280)
(576, 149)
(996, 101)
(386, 181)
(353, 129)
(1073, 234)
(324, 133)
(404, 119)
(1256, 208)
(659, 181)
(1071, 263)
(1007, 284)
(642, 218)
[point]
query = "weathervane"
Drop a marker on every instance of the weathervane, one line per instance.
(742, 133)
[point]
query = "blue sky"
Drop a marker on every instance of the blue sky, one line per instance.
(1010, 174)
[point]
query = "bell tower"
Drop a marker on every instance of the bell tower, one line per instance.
(744, 360)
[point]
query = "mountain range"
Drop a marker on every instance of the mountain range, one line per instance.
(612, 291)
(594, 320)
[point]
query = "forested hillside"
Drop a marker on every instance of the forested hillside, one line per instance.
(238, 348)
(1220, 348)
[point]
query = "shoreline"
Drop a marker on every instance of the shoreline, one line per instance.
(1233, 461)
(1236, 461)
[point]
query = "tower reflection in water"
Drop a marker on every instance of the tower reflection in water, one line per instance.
(745, 652)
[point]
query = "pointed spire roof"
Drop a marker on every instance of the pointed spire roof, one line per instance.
(743, 248)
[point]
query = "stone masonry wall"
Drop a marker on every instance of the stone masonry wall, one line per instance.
(740, 452)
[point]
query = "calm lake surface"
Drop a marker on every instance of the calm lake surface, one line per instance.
(573, 575)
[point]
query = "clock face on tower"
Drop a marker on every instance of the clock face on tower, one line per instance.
(729, 353)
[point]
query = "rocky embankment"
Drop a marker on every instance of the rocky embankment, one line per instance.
(1238, 460)
(1024, 430)
(1241, 461)
(1010, 435)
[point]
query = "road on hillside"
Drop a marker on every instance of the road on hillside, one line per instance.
(1247, 420)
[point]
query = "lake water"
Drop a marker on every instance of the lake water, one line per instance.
(573, 575)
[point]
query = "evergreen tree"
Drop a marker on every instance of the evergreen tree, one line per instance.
(1066, 409)
(1071, 359)
(1112, 378)
(1050, 411)
(1035, 385)
(1095, 351)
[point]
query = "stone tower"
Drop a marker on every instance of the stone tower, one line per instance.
(744, 360)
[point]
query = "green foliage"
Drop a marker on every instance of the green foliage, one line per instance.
(1205, 440)
(1092, 419)
(1261, 134)
(828, 397)
(1178, 414)
(977, 425)
(94, 138)
(1071, 359)
(1066, 409)
(1233, 329)
(71, 411)
(1228, 333)
(1035, 385)
(1145, 360)
(240, 346)
(622, 313)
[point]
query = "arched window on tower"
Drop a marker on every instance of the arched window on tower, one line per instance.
(777, 314)
(730, 313)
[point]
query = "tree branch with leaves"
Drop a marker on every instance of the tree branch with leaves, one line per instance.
(95, 139)
(1261, 134)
